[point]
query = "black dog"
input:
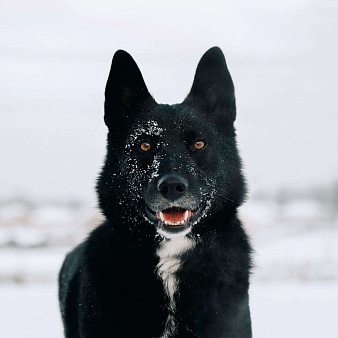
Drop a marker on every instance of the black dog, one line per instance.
(171, 258)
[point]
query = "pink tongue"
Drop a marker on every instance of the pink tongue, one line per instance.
(174, 216)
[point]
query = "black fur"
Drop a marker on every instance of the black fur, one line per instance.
(109, 286)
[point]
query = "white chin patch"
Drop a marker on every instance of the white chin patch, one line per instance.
(169, 235)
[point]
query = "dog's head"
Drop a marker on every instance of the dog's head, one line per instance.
(171, 164)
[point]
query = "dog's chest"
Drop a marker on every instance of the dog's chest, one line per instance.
(170, 253)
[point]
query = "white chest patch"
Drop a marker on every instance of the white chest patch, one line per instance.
(170, 253)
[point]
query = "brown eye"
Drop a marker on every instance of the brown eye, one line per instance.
(199, 145)
(145, 146)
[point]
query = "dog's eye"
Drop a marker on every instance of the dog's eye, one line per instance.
(199, 145)
(145, 146)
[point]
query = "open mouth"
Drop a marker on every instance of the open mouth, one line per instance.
(174, 216)
(174, 220)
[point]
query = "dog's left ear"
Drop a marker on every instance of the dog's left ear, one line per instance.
(125, 91)
(213, 88)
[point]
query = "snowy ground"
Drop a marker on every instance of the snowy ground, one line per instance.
(29, 311)
(279, 310)
(294, 289)
(295, 310)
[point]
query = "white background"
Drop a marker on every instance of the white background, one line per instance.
(55, 58)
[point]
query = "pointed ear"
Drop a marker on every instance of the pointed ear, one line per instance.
(213, 88)
(125, 90)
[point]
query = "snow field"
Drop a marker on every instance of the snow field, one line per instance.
(278, 310)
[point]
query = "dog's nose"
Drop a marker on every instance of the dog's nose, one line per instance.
(172, 186)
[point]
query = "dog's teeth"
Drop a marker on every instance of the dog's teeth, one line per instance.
(186, 215)
(173, 223)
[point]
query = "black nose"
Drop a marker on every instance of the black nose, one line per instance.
(172, 186)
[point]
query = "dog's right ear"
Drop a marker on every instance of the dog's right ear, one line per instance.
(125, 90)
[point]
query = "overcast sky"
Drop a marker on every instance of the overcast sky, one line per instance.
(55, 58)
